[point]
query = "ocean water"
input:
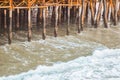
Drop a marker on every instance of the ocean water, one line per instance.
(94, 54)
(103, 64)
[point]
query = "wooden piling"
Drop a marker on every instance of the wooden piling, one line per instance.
(68, 10)
(38, 19)
(68, 20)
(5, 21)
(2, 20)
(14, 19)
(26, 20)
(87, 12)
(56, 22)
(29, 25)
(109, 11)
(112, 11)
(10, 24)
(59, 19)
(84, 4)
(105, 13)
(18, 24)
(92, 12)
(41, 17)
(79, 15)
(44, 25)
(10, 27)
(119, 13)
(65, 14)
(98, 14)
(116, 10)
(23, 21)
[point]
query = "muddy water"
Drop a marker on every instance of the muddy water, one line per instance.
(22, 56)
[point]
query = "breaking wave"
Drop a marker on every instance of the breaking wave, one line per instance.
(103, 64)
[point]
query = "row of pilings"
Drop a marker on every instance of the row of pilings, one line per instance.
(93, 12)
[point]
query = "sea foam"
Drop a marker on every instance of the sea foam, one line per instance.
(101, 65)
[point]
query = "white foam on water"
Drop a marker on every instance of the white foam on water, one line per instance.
(103, 64)
(66, 42)
(50, 50)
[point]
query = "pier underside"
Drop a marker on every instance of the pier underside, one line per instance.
(15, 15)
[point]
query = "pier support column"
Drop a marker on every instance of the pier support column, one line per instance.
(98, 14)
(68, 20)
(56, 22)
(5, 21)
(38, 19)
(116, 10)
(44, 26)
(119, 12)
(92, 12)
(18, 24)
(10, 27)
(87, 12)
(109, 11)
(84, 5)
(105, 18)
(60, 8)
(112, 11)
(2, 20)
(79, 13)
(29, 25)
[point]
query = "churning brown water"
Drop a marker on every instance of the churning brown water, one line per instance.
(22, 56)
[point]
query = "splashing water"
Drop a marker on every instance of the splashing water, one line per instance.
(59, 58)
(102, 65)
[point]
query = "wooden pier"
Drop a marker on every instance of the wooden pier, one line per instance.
(16, 13)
